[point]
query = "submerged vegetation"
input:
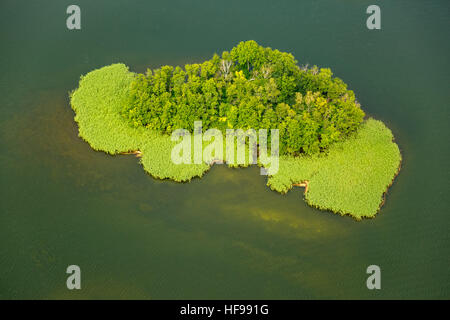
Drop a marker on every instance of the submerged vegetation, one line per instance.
(118, 111)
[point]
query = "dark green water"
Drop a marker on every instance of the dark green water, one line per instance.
(225, 235)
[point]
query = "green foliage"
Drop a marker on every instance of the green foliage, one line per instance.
(249, 87)
(351, 178)
(97, 103)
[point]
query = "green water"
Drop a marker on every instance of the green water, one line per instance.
(225, 235)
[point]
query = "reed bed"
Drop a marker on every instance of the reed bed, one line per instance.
(350, 179)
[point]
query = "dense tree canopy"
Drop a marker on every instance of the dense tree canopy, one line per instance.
(248, 87)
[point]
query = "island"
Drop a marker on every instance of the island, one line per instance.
(326, 144)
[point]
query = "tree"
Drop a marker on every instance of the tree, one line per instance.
(248, 87)
(248, 56)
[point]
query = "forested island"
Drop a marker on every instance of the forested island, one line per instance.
(345, 161)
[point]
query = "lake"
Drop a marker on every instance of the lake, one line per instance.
(225, 235)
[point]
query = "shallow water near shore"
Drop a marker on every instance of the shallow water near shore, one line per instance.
(225, 235)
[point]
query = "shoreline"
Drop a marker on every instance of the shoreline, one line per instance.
(137, 153)
(390, 185)
(303, 184)
(373, 145)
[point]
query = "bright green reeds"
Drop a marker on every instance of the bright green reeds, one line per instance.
(350, 179)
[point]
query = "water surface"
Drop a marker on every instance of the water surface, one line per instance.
(225, 235)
